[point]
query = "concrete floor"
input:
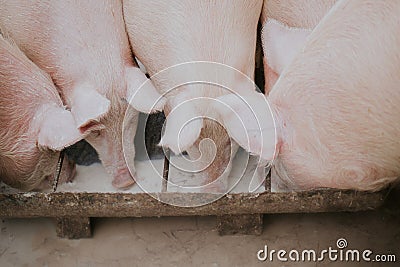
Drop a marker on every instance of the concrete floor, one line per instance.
(193, 241)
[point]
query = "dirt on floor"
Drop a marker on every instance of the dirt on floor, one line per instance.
(193, 241)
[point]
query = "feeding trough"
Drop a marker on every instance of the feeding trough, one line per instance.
(237, 212)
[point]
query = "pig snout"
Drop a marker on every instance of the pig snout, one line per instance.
(217, 153)
(111, 156)
(67, 174)
(204, 138)
(108, 143)
(68, 170)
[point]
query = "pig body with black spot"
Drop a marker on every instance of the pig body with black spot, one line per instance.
(84, 47)
(336, 105)
(35, 126)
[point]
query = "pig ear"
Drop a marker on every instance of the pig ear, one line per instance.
(281, 43)
(182, 127)
(57, 129)
(141, 93)
(250, 122)
(88, 107)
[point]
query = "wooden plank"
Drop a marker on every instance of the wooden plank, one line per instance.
(82, 204)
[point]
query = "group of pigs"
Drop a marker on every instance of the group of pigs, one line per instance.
(330, 115)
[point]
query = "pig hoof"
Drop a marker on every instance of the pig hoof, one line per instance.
(123, 182)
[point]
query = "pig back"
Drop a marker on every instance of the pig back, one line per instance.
(64, 39)
(165, 33)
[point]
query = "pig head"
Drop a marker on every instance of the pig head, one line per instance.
(35, 124)
(84, 47)
(173, 40)
(336, 105)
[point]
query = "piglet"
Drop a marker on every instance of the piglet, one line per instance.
(336, 107)
(194, 52)
(35, 126)
(84, 47)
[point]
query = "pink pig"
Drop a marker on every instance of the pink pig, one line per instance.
(84, 47)
(285, 28)
(178, 42)
(35, 126)
(336, 106)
